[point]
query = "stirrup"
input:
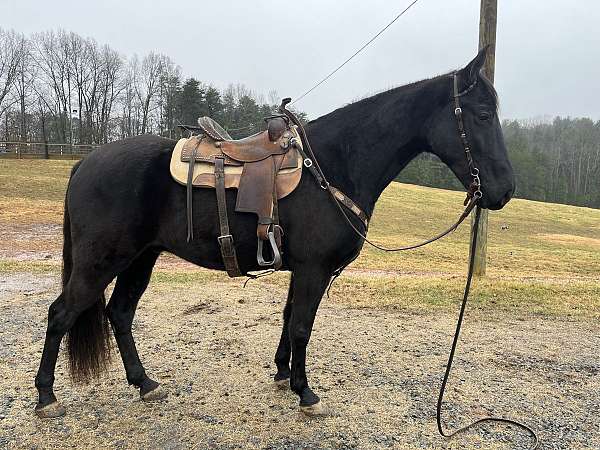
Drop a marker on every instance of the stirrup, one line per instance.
(276, 262)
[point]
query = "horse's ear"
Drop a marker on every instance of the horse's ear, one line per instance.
(472, 69)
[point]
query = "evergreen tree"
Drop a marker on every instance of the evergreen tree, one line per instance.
(191, 102)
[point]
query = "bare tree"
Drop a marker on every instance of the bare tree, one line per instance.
(23, 84)
(129, 101)
(111, 87)
(170, 87)
(147, 84)
(11, 54)
(52, 54)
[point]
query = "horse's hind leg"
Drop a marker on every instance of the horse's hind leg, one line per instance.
(81, 301)
(284, 349)
(59, 321)
(130, 286)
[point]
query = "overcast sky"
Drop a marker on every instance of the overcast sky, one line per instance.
(547, 59)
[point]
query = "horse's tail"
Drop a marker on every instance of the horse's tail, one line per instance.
(67, 262)
(88, 341)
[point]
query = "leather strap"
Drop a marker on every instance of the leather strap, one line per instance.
(348, 203)
(225, 239)
(277, 230)
(276, 227)
(190, 191)
(474, 190)
(269, 229)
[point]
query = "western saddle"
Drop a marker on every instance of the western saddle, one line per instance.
(264, 167)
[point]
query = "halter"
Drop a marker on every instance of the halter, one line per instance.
(474, 190)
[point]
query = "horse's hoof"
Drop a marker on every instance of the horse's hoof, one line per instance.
(282, 384)
(50, 411)
(316, 410)
(158, 393)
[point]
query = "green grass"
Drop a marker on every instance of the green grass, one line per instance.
(543, 257)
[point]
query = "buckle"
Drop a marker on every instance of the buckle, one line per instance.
(226, 244)
(457, 111)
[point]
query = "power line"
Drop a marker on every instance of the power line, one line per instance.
(355, 53)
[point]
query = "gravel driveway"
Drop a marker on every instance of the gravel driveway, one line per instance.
(212, 346)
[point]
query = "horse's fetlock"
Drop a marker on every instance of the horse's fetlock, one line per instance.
(44, 382)
(137, 378)
(298, 385)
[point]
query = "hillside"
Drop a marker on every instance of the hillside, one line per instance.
(542, 257)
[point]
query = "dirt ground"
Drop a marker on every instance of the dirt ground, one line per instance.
(212, 346)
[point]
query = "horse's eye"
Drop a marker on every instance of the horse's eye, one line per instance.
(484, 115)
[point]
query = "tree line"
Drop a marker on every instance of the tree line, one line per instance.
(554, 160)
(60, 87)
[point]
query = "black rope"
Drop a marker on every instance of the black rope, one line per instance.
(256, 276)
(453, 351)
(355, 53)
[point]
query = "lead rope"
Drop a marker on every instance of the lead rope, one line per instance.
(453, 351)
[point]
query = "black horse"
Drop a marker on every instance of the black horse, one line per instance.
(123, 209)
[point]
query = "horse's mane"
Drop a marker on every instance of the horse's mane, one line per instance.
(405, 88)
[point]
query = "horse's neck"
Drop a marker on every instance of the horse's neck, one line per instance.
(361, 148)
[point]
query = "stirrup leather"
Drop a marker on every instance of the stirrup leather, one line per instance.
(226, 239)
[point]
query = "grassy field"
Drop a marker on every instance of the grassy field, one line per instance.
(543, 258)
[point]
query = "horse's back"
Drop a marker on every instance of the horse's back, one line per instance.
(127, 157)
(119, 184)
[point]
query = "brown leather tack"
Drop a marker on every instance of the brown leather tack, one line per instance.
(225, 239)
(276, 128)
(253, 148)
(263, 167)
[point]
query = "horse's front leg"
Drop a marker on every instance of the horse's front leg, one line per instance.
(284, 349)
(308, 284)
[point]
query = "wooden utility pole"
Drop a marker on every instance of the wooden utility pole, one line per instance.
(487, 36)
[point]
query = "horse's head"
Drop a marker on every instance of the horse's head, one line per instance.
(478, 102)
